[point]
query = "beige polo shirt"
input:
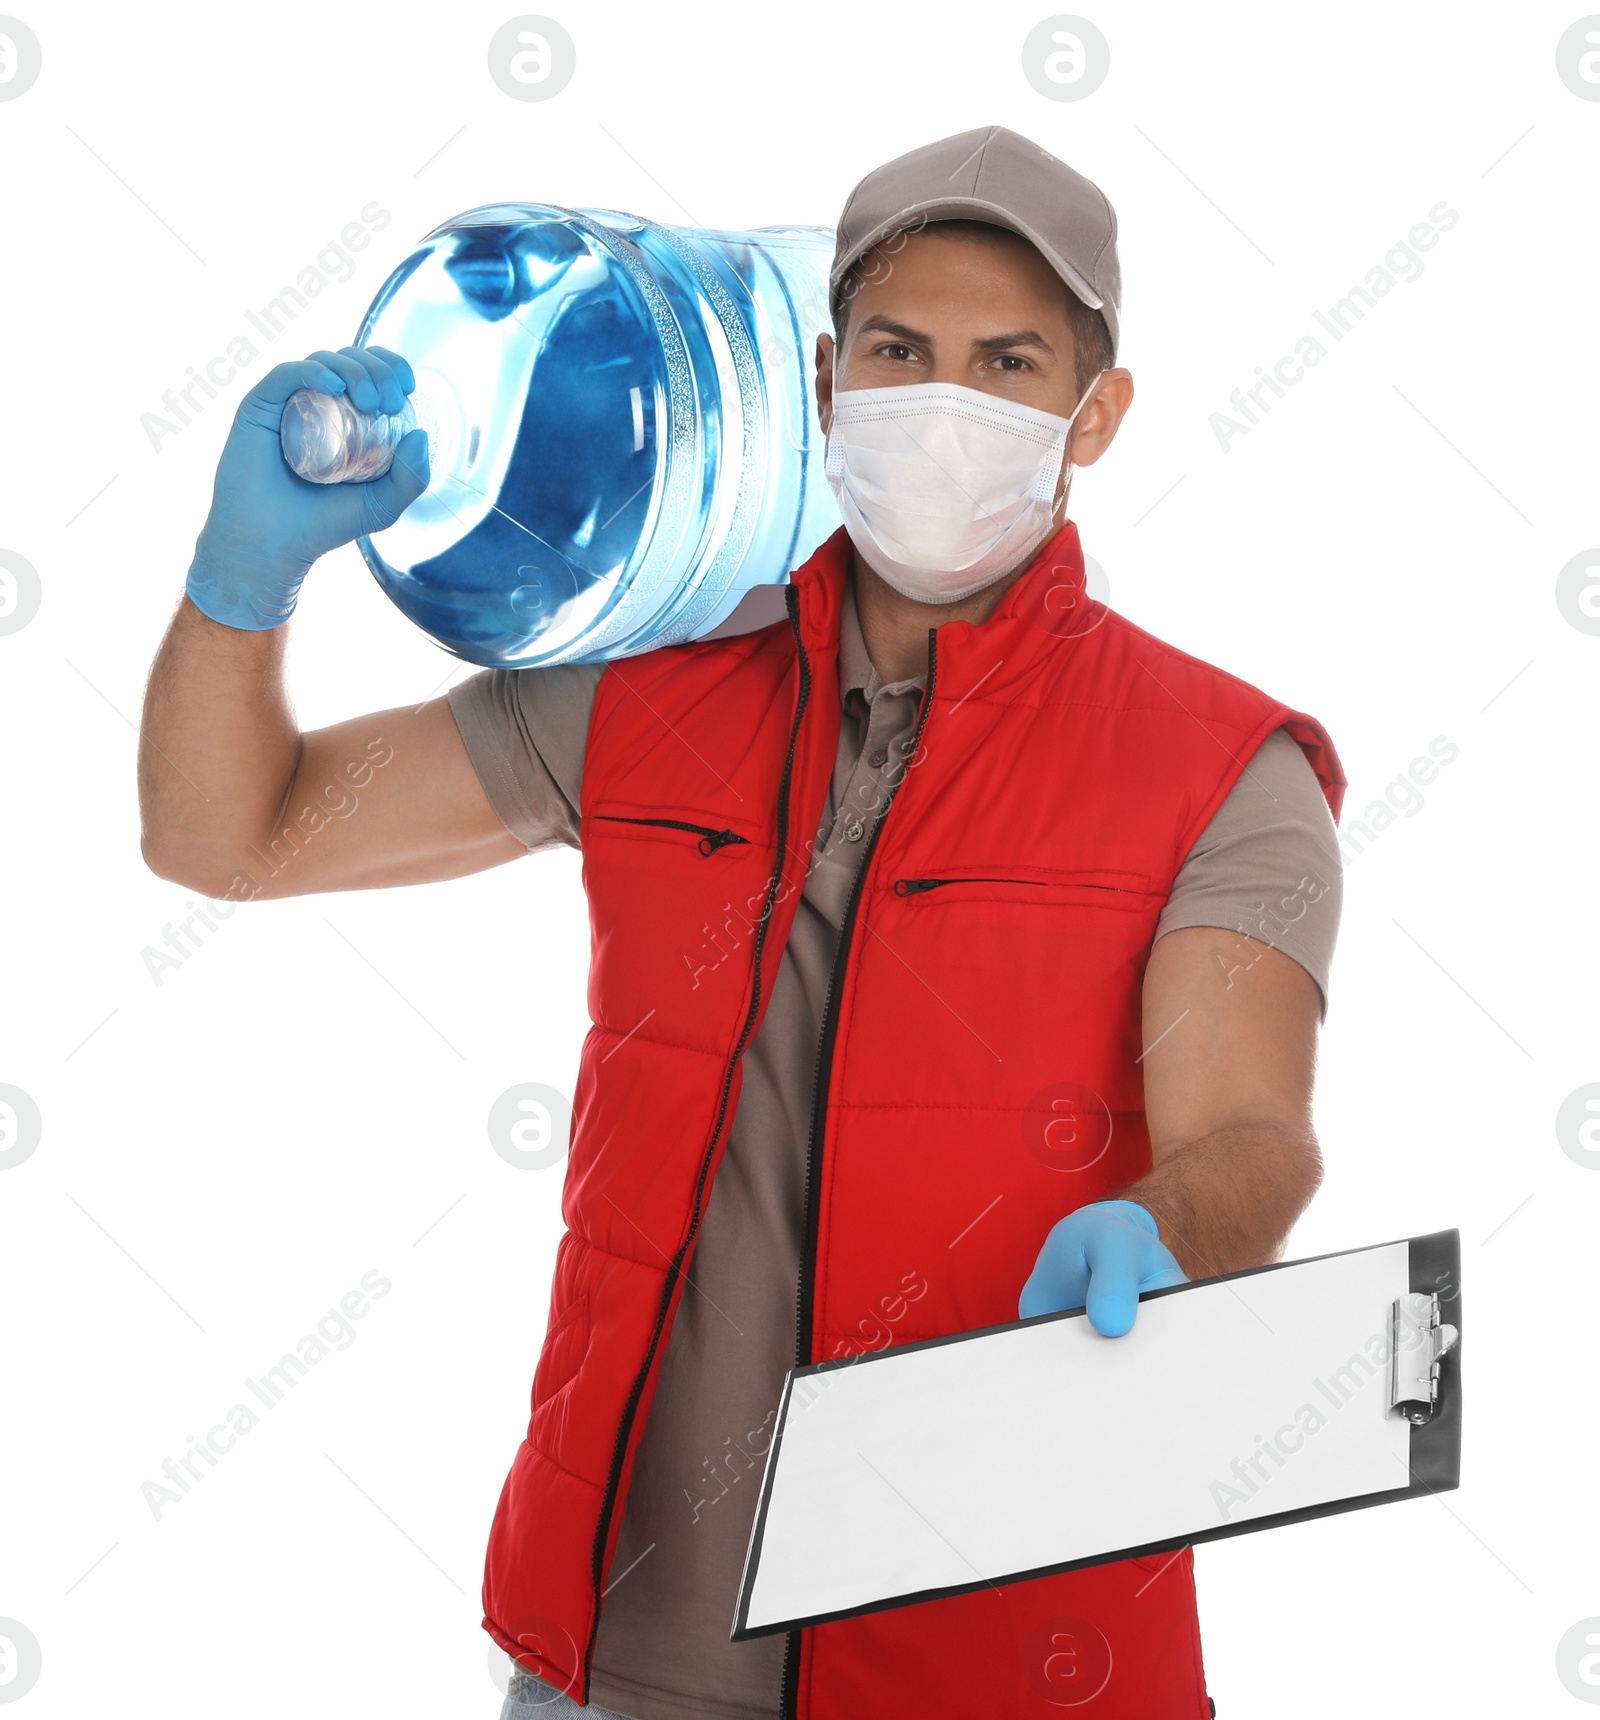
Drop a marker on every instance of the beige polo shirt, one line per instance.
(663, 1652)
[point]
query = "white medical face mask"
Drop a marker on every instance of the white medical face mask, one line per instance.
(944, 489)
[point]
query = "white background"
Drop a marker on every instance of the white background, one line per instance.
(225, 1154)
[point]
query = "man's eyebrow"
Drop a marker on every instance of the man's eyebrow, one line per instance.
(1023, 337)
(889, 326)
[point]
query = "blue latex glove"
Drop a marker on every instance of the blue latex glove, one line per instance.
(1100, 1258)
(267, 525)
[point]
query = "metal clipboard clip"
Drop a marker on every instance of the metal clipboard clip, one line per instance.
(1417, 1339)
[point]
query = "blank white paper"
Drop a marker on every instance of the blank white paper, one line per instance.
(984, 1457)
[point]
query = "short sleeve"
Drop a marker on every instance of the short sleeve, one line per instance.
(525, 731)
(1268, 864)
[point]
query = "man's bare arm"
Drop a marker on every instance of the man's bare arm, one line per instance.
(236, 802)
(1230, 1034)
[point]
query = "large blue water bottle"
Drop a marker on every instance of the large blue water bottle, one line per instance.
(621, 423)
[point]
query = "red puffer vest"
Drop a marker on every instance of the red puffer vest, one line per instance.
(976, 1077)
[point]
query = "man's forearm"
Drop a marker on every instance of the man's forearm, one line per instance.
(218, 747)
(1228, 1200)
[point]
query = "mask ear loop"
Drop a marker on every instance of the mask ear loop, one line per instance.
(1070, 468)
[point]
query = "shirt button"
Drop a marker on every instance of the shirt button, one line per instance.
(854, 831)
(876, 757)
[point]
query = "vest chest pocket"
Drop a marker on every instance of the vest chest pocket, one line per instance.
(996, 943)
(706, 838)
(1025, 885)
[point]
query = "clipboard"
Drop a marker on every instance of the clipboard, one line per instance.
(1239, 1403)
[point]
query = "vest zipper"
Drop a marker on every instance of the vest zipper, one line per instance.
(710, 840)
(608, 1499)
(789, 1701)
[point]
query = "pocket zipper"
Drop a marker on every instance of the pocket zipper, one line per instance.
(916, 886)
(710, 840)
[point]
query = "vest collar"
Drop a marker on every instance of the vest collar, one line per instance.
(1044, 608)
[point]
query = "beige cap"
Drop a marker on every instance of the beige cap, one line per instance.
(991, 174)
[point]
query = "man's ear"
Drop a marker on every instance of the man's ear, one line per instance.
(825, 352)
(1101, 416)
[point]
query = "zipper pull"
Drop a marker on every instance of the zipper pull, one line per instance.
(913, 886)
(709, 844)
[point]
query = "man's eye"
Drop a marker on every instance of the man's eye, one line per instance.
(895, 348)
(1007, 359)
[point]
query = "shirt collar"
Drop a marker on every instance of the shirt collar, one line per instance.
(856, 673)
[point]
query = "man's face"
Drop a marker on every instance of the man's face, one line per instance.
(985, 315)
